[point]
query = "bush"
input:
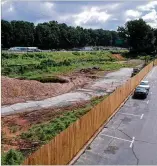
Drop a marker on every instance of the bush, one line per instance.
(47, 62)
(76, 53)
(8, 55)
(93, 53)
(64, 63)
(45, 132)
(12, 157)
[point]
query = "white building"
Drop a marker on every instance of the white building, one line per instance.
(23, 49)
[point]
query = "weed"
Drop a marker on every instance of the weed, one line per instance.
(14, 129)
(12, 157)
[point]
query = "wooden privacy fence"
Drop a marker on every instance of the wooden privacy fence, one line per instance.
(155, 62)
(62, 149)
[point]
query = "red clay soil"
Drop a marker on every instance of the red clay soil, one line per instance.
(118, 56)
(23, 121)
(15, 90)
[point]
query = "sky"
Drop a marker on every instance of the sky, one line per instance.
(88, 14)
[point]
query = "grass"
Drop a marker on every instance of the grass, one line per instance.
(14, 129)
(12, 157)
(44, 132)
(35, 65)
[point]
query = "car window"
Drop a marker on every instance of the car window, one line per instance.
(143, 83)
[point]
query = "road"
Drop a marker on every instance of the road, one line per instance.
(99, 87)
(130, 137)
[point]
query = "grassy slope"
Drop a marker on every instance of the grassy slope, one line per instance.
(33, 65)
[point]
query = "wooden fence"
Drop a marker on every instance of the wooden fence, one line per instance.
(155, 62)
(64, 147)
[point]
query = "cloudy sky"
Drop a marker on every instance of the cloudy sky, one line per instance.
(88, 14)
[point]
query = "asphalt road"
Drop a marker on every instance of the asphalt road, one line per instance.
(130, 137)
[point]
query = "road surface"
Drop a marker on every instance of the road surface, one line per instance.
(130, 137)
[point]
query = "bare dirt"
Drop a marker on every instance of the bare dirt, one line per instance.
(14, 125)
(118, 56)
(15, 90)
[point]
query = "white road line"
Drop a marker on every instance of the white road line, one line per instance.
(133, 138)
(150, 92)
(147, 101)
(142, 116)
(116, 138)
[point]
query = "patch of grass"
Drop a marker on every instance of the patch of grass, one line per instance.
(12, 157)
(14, 129)
(33, 65)
(44, 132)
(97, 100)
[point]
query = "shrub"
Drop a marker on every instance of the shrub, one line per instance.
(93, 53)
(76, 53)
(47, 62)
(12, 157)
(65, 63)
(8, 55)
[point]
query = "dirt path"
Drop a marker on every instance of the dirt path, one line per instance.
(99, 87)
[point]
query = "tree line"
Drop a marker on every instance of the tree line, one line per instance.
(52, 35)
(137, 35)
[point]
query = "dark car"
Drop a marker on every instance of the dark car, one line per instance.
(135, 71)
(140, 93)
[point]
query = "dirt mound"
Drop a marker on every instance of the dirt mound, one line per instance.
(15, 90)
(118, 56)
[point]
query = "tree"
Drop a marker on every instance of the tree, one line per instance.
(52, 35)
(6, 35)
(139, 36)
(22, 33)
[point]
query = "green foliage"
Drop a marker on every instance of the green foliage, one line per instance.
(12, 157)
(76, 53)
(139, 35)
(46, 65)
(45, 132)
(52, 35)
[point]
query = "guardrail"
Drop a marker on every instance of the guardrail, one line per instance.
(64, 147)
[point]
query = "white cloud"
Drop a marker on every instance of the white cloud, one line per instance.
(109, 6)
(151, 18)
(149, 6)
(133, 13)
(153, 24)
(93, 13)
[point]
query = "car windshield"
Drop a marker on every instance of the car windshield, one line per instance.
(140, 89)
(143, 83)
